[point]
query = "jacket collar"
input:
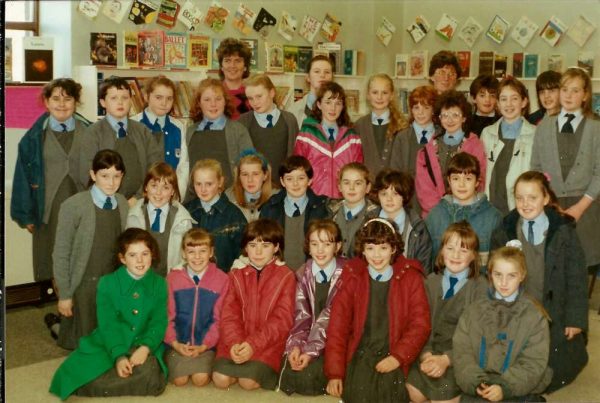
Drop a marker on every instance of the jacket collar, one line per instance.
(555, 220)
(128, 283)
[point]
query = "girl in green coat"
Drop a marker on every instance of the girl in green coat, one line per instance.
(123, 355)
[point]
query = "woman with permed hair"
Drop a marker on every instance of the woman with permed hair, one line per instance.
(234, 66)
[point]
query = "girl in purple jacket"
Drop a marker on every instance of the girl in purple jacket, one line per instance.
(318, 282)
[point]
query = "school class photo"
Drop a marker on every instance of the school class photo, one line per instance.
(342, 201)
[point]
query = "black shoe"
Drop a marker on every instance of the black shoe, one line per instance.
(51, 319)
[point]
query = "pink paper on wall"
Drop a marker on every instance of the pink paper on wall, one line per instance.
(22, 106)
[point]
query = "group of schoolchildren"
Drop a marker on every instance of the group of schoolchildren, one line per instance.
(449, 265)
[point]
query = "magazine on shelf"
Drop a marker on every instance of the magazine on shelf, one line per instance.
(418, 64)
(274, 57)
(305, 53)
(199, 52)
(353, 101)
(486, 63)
(176, 50)
(8, 59)
(556, 62)
(517, 70)
(401, 65)
(290, 58)
(334, 50)
(464, 61)
(531, 65)
(215, 42)
(585, 60)
(253, 45)
(103, 48)
(130, 48)
(151, 48)
(500, 65)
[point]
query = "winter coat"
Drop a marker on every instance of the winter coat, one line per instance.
(429, 178)
(183, 221)
(195, 310)
(29, 190)
(259, 311)
(519, 162)
(408, 311)
(327, 158)
(502, 343)
(309, 331)
(275, 210)
(564, 293)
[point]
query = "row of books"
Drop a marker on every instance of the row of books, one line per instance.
(524, 65)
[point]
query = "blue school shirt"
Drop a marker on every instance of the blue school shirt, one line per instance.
(462, 280)
(114, 123)
(329, 269)
(99, 197)
(288, 205)
(386, 275)
(57, 126)
(385, 118)
(172, 134)
(261, 118)
(430, 129)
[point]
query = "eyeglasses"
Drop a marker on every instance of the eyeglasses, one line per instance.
(450, 115)
(445, 73)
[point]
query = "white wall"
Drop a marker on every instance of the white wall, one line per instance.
(55, 21)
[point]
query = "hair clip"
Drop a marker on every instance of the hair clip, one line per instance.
(381, 220)
(547, 176)
(515, 243)
(252, 151)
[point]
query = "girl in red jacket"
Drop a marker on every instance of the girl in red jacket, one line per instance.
(379, 319)
(258, 312)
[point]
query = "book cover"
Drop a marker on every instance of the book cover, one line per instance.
(553, 31)
(486, 62)
(243, 19)
(8, 59)
(274, 57)
(403, 100)
(418, 64)
(264, 22)
(350, 62)
(175, 50)
(305, 53)
(334, 51)
(287, 25)
(216, 16)
(418, 29)
(151, 48)
(464, 60)
(290, 58)
(38, 58)
(215, 42)
(596, 103)
(531, 65)
(309, 28)
(199, 53)
(167, 13)
(190, 15)
(89, 8)
(470, 31)
(500, 65)
(144, 11)
(353, 101)
(130, 48)
(585, 60)
(253, 45)
(446, 27)
(517, 70)
(401, 65)
(103, 48)
(116, 9)
(137, 99)
(385, 31)
(498, 29)
(523, 32)
(581, 30)
(330, 28)
(556, 62)
(361, 63)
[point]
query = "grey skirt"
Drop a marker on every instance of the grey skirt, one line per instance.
(260, 372)
(442, 388)
(180, 365)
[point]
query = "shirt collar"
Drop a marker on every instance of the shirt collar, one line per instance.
(288, 204)
(56, 125)
(462, 277)
(457, 138)
(217, 124)
(400, 219)
(512, 130)
(540, 226)
(255, 196)
(99, 197)
(311, 99)
(511, 298)
(152, 118)
(262, 120)
(207, 206)
(328, 269)
(192, 273)
(473, 201)
(562, 118)
(151, 207)
(356, 210)
(386, 274)
(488, 115)
(385, 116)
(327, 126)
(430, 128)
(114, 123)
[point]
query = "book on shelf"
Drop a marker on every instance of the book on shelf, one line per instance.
(585, 60)
(8, 59)
(130, 48)
(151, 48)
(418, 64)
(305, 53)
(531, 65)
(176, 50)
(38, 58)
(556, 62)
(403, 100)
(199, 53)
(103, 48)
(464, 60)
(137, 99)
(486, 63)
(334, 51)
(517, 67)
(274, 57)
(253, 45)
(401, 65)
(500, 65)
(290, 58)
(354, 62)
(167, 13)
(353, 101)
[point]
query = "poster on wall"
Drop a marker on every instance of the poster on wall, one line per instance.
(216, 16)
(167, 14)
(470, 31)
(385, 31)
(89, 8)
(144, 11)
(581, 30)
(553, 31)
(287, 25)
(523, 32)
(418, 29)
(446, 28)
(498, 29)
(116, 9)
(330, 28)
(309, 28)
(190, 16)
(243, 19)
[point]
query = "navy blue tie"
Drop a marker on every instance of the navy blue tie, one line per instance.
(322, 273)
(207, 125)
(349, 215)
(331, 131)
(378, 277)
(122, 132)
(568, 127)
(64, 127)
(530, 236)
(270, 120)
(380, 121)
(107, 204)
(156, 223)
(423, 137)
(450, 292)
(156, 127)
(196, 279)
(297, 211)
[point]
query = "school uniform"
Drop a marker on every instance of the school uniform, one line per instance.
(536, 117)
(274, 135)
(302, 108)
(504, 343)
(376, 144)
(480, 122)
(572, 160)
(447, 301)
(204, 294)
(350, 221)
(131, 313)
(46, 174)
(224, 222)
(508, 156)
(372, 319)
(222, 140)
(137, 148)
(315, 290)
(173, 222)
(84, 251)
(258, 309)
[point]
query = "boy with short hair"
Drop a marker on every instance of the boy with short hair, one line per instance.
(464, 203)
(484, 93)
(131, 139)
(295, 206)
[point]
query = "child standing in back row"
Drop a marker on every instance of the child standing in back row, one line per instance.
(318, 72)
(484, 93)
